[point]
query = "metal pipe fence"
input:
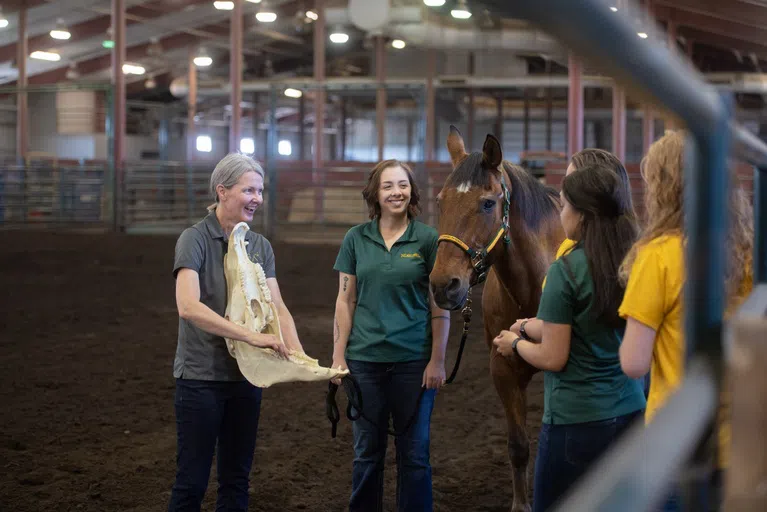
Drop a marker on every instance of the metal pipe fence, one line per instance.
(685, 425)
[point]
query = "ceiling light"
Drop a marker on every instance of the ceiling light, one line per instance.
(133, 69)
(398, 44)
(247, 146)
(265, 14)
(339, 37)
(49, 56)
(643, 35)
(3, 21)
(312, 15)
(203, 61)
(433, 3)
(61, 31)
(293, 93)
(72, 73)
(461, 11)
(614, 9)
(150, 83)
(254, 1)
(224, 6)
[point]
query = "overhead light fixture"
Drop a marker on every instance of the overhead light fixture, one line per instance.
(312, 15)
(339, 37)
(433, 3)
(265, 14)
(202, 59)
(398, 44)
(49, 56)
(614, 9)
(133, 69)
(643, 35)
(293, 93)
(60, 32)
(284, 148)
(3, 21)
(224, 6)
(461, 11)
(254, 1)
(150, 83)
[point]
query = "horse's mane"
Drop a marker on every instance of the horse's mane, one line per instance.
(531, 200)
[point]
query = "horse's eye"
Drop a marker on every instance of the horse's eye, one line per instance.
(488, 205)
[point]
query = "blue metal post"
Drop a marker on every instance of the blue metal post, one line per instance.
(109, 187)
(271, 165)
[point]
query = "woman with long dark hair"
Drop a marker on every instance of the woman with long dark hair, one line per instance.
(575, 339)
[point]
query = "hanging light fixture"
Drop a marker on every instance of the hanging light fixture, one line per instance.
(224, 5)
(293, 93)
(61, 31)
(133, 69)
(398, 44)
(3, 20)
(338, 36)
(150, 82)
(266, 14)
(312, 15)
(461, 10)
(41, 55)
(433, 3)
(72, 73)
(203, 60)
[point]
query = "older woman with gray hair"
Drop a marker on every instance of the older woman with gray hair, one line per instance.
(215, 406)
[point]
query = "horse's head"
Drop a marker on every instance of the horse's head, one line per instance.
(473, 220)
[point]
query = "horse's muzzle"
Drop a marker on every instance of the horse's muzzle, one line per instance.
(450, 296)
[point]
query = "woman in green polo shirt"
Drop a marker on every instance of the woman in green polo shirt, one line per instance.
(575, 339)
(392, 336)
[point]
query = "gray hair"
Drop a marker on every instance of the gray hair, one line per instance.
(229, 171)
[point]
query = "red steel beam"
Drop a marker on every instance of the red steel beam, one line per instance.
(744, 13)
(712, 24)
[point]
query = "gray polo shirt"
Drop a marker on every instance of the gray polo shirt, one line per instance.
(200, 355)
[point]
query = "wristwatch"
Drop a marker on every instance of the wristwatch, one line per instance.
(514, 345)
(523, 332)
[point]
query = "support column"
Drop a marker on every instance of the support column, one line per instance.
(343, 129)
(319, 104)
(470, 121)
(302, 128)
(526, 121)
(22, 116)
(380, 48)
(119, 109)
(431, 71)
(619, 122)
(235, 74)
(648, 128)
(574, 107)
(549, 107)
(499, 117)
(191, 108)
(672, 122)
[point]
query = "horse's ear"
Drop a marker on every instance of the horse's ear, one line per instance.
(455, 146)
(491, 152)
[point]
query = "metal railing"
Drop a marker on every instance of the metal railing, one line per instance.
(642, 467)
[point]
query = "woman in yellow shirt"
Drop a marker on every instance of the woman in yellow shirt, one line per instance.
(654, 273)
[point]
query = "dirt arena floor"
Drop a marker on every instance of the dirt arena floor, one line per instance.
(87, 335)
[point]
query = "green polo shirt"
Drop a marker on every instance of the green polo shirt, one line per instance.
(591, 386)
(392, 319)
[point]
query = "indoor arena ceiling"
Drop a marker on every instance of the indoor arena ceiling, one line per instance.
(724, 37)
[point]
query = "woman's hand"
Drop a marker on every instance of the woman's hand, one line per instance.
(339, 363)
(434, 374)
(268, 341)
(533, 328)
(503, 342)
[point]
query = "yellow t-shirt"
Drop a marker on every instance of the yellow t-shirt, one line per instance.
(564, 248)
(654, 297)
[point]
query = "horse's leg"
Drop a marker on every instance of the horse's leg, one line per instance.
(511, 384)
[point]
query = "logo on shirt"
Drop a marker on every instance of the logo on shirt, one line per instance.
(255, 258)
(410, 255)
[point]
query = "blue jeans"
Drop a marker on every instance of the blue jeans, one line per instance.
(207, 413)
(566, 452)
(392, 389)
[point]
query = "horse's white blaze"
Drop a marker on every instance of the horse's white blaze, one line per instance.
(464, 187)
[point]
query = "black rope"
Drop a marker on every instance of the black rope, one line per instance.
(354, 393)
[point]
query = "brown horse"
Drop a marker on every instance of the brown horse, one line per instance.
(497, 218)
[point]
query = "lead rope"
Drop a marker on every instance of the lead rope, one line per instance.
(354, 394)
